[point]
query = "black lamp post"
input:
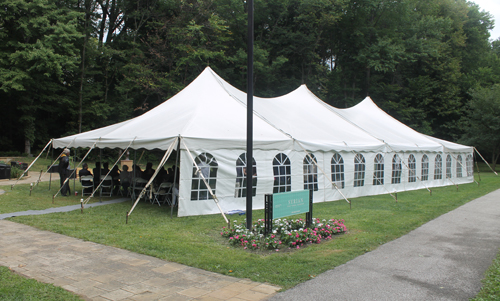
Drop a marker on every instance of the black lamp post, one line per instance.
(249, 163)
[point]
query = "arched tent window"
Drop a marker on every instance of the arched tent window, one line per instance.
(449, 164)
(282, 173)
(378, 166)
(359, 170)
(208, 169)
(310, 173)
(469, 163)
(438, 167)
(425, 168)
(338, 170)
(241, 177)
(412, 169)
(459, 166)
(396, 170)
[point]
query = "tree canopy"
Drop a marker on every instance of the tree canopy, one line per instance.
(73, 65)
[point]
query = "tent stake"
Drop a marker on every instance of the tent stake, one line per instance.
(81, 204)
(31, 188)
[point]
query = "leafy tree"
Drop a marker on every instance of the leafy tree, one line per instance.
(483, 128)
(38, 59)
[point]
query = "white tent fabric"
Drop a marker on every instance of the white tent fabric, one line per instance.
(209, 116)
(368, 116)
(203, 111)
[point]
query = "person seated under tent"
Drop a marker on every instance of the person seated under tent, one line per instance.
(136, 171)
(105, 168)
(162, 176)
(125, 179)
(85, 172)
(115, 175)
(148, 172)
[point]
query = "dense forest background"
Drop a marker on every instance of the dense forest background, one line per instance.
(75, 65)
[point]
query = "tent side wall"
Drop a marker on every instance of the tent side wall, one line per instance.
(225, 181)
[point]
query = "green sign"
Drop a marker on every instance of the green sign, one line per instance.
(290, 203)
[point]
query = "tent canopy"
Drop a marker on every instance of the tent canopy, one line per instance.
(204, 112)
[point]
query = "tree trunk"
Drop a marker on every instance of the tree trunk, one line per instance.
(494, 159)
(82, 75)
(27, 146)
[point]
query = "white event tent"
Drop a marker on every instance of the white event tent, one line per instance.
(299, 143)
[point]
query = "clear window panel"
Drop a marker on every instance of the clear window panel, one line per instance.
(282, 173)
(338, 170)
(241, 177)
(469, 164)
(438, 167)
(425, 168)
(359, 170)
(378, 174)
(412, 169)
(310, 172)
(459, 166)
(208, 170)
(396, 170)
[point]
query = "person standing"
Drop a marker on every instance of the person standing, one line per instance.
(64, 172)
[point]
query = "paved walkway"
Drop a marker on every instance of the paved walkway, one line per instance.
(444, 259)
(61, 209)
(99, 272)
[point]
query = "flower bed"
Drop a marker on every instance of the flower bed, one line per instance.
(286, 233)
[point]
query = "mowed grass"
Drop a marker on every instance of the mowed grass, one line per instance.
(491, 283)
(14, 287)
(196, 241)
(19, 198)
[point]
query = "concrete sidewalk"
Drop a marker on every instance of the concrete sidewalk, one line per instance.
(61, 209)
(99, 272)
(444, 259)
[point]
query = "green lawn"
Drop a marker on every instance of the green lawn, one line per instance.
(491, 283)
(195, 241)
(14, 287)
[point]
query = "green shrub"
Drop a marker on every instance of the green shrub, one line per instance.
(16, 172)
